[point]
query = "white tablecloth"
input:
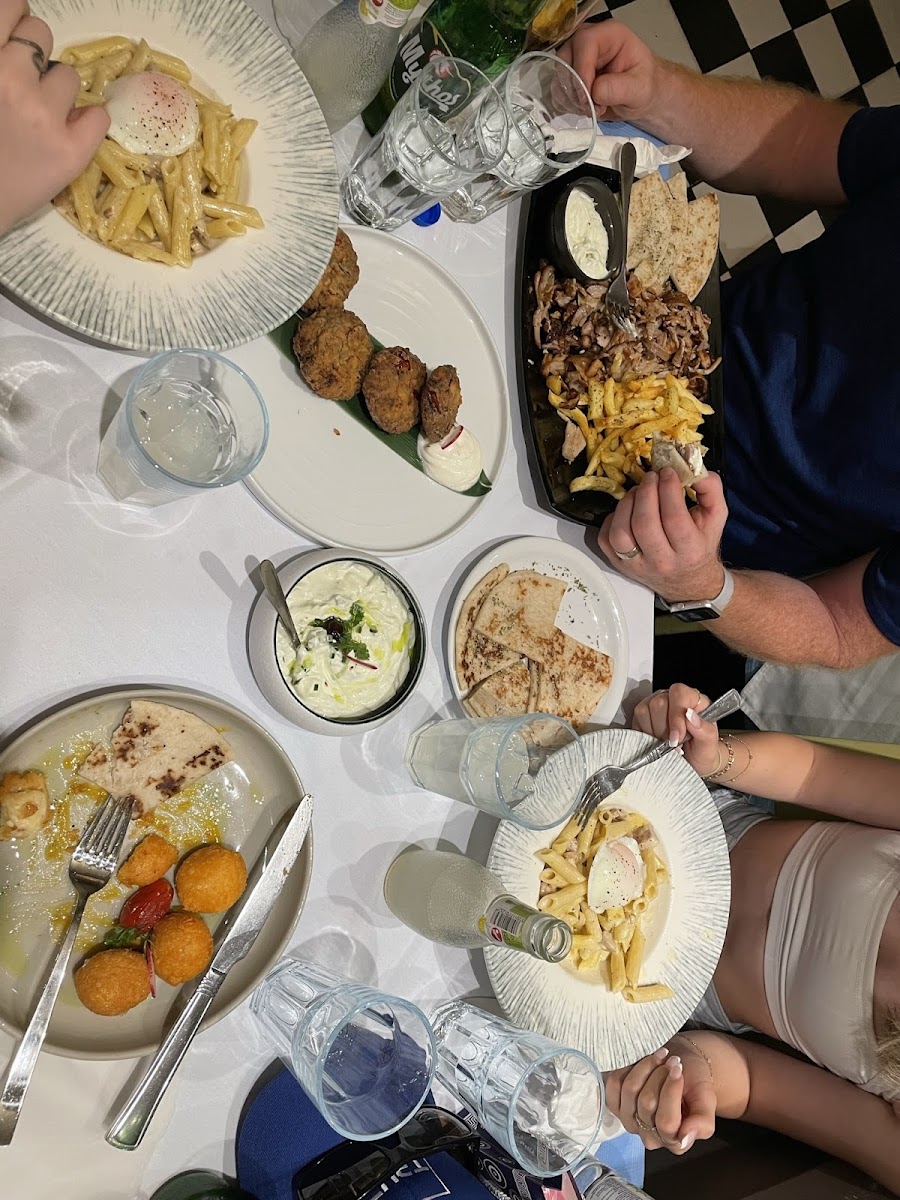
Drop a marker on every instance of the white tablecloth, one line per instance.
(93, 593)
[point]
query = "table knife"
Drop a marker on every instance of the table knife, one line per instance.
(131, 1123)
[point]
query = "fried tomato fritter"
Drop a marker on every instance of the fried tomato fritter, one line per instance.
(148, 861)
(112, 982)
(339, 279)
(211, 879)
(182, 947)
(391, 388)
(333, 349)
(441, 398)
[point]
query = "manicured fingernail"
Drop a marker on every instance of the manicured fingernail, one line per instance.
(688, 1141)
(662, 1053)
(692, 717)
(674, 1061)
(674, 739)
(675, 1072)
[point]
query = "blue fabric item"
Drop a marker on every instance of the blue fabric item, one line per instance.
(283, 1130)
(624, 129)
(626, 1155)
(812, 388)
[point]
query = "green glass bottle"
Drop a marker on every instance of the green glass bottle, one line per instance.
(200, 1185)
(487, 33)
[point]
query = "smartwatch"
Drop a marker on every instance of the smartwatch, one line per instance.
(700, 610)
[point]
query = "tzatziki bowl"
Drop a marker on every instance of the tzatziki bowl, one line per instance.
(361, 649)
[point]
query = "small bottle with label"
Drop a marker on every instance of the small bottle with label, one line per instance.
(451, 899)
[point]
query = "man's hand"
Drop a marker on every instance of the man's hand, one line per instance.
(617, 68)
(44, 142)
(678, 547)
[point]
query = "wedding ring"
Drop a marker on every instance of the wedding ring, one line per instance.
(632, 553)
(38, 57)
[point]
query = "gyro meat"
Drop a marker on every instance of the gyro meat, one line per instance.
(391, 388)
(339, 279)
(441, 398)
(333, 349)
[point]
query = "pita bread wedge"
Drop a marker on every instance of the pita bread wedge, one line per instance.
(156, 752)
(677, 185)
(504, 694)
(656, 226)
(573, 680)
(700, 246)
(476, 656)
(520, 613)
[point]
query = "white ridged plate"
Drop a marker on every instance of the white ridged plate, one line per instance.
(245, 286)
(684, 938)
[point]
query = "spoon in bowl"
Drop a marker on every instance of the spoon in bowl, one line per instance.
(278, 600)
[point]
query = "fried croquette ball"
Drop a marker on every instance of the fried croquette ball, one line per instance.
(182, 947)
(333, 349)
(148, 861)
(24, 804)
(211, 879)
(441, 398)
(339, 279)
(113, 982)
(391, 388)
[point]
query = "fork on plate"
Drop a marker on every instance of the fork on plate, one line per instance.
(618, 303)
(603, 783)
(93, 862)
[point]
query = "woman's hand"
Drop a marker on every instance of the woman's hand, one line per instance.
(671, 716)
(617, 69)
(667, 1100)
(44, 141)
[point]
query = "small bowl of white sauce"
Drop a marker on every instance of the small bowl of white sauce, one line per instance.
(362, 643)
(586, 230)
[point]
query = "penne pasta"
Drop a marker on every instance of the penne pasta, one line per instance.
(140, 59)
(616, 963)
(213, 207)
(112, 166)
(647, 992)
(225, 227)
(634, 957)
(158, 212)
(90, 52)
(132, 213)
(170, 65)
(110, 211)
(561, 866)
(181, 227)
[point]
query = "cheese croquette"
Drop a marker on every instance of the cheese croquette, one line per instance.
(113, 982)
(148, 861)
(211, 879)
(391, 389)
(339, 279)
(182, 947)
(333, 349)
(24, 804)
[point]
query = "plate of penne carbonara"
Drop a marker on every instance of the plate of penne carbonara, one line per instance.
(209, 211)
(644, 887)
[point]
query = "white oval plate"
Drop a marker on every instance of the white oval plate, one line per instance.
(590, 611)
(255, 791)
(684, 937)
(243, 287)
(326, 475)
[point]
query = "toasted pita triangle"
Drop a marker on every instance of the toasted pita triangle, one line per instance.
(504, 694)
(476, 656)
(520, 613)
(700, 246)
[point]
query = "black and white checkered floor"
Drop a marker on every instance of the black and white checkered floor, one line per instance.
(840, 48)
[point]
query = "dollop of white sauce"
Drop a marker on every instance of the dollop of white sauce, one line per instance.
(586, 235)
(321, 677)
(457, 467)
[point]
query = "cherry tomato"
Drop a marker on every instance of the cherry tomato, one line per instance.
(147, 906)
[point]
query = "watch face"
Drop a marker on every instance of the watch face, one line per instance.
(705, 613)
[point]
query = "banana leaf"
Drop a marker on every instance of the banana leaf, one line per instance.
(403, 444)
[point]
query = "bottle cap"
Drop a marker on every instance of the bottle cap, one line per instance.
(429, 216)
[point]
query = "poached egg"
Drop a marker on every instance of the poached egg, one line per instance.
(617, 875)
(152, 113)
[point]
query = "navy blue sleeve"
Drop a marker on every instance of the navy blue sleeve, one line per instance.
(869, 151)
(881, 590)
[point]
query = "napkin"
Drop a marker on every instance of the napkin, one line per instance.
(58, 1148)
(651, 154)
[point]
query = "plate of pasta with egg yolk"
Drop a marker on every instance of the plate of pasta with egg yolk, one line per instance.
(209, 212)
(645, 888)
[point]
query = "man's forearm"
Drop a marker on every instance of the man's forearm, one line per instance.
(758, 138)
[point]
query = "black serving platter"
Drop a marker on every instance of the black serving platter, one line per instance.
(544, 431)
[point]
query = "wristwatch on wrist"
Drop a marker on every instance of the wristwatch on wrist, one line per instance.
(700, 610)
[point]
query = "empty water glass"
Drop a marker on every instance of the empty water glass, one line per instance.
(191, 420)
(365, 1059)
(529, 769)
(552, 127)
(542, 1101)
(439, 136)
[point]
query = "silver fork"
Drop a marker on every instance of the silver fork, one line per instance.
(603, 783)
(93, 862)
(618, 304)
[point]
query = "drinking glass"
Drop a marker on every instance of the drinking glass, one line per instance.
(542, 1101)
(529, 769)
(439, 136)
(365, 1059)
(552, 130)
(191, 420)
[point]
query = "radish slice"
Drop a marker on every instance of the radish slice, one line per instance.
(451, 437)
(148, 954)
(359, 662)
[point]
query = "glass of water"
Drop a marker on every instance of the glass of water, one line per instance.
(190, 420)
(529, 769)
(365, 1059)
(439, 136)
(552, 127)
(542, 1101)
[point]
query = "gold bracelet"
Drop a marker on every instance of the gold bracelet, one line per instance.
(705, 1057)
(717, 774)
(714, 773)
(734, 737)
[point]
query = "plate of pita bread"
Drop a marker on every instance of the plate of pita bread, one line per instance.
(202, 773)
(537, 627)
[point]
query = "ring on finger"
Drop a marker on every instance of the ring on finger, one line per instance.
(632, 553)
(646, 1128)
(38, 57)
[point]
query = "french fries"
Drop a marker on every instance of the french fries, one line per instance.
(618, 418)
